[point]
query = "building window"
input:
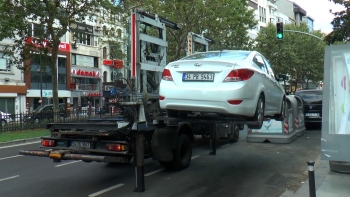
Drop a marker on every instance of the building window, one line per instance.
(4, 63)
(104, 53)
(84, 39)
(105, 76)
(262, 14)
(62, 62)
(87, 84)
(38, 31)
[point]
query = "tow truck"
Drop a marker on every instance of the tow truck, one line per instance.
(139, 130)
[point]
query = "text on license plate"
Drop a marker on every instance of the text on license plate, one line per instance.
(198, 77)
(80, 143)
(312, 114)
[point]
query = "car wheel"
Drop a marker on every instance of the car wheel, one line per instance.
(259, 113)
(3, 122)
(234, 136)
(182, 155)
(282, 115)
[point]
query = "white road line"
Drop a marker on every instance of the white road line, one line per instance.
(11, 177)
(226, 145)
(67, 163)
(194, 157)
(154, 172)
(10, 146)
(105, 190)
(10, 157)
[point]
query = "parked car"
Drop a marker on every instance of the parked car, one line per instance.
(45, 112)
(5, 117)
(312, 101)
(227, 82)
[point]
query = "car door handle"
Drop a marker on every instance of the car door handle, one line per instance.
(263, 75)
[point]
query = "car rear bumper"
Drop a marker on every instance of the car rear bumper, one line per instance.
(213, 100)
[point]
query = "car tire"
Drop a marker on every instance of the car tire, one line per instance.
(182, 155)
(234, 136)
(282, 115)
(3, 122)
(259, 113)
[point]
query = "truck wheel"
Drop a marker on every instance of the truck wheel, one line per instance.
(182, 155)
(234, 136)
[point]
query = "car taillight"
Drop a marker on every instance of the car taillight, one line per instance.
(167, 75)
(239, 75)
(48, 143)
(161, 98)
(235, 102)
(116, 147)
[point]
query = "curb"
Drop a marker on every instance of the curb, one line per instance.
(20, 141)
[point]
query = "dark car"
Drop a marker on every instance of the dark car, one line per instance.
(312, 100)
(45, 112)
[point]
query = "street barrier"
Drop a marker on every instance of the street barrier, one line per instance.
(279, 132)
(299, 118)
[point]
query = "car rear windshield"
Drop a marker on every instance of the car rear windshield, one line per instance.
(219, 55)
(310, 96)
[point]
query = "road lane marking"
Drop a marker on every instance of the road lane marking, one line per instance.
(11, 177)
(105, 190)
(10, 146)
(226, 145)
(11, 157)
(194, 157)
(154, 172)
(67, 163)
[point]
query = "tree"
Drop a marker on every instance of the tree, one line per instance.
(224, 21)
(341, 24)
(297, 54)
(54, 18)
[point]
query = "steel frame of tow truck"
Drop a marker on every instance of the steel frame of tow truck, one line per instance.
(213, 121)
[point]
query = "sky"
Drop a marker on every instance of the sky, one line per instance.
(319, 11)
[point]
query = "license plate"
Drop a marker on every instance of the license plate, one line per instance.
(81, 144)
(198, 77)
(312, 114)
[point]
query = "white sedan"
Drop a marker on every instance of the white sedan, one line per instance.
(228, 82)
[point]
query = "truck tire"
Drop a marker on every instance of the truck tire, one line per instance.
(234, 136)
(182, 155)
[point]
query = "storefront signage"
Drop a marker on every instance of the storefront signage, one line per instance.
(115, 63)
(80, 72)
(80, 27)
(63, 46)
(91, 94)
(47, 93)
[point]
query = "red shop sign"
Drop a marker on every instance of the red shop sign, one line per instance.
(115, 63)
(63, 46)
(85, 73)
(92, 94)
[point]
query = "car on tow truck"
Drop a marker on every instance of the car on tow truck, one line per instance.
(233, 83)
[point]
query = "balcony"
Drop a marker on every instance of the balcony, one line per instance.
(272, 5)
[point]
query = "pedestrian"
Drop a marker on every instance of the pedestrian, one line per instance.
(89, 108)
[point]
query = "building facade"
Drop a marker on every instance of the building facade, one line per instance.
(13, 90)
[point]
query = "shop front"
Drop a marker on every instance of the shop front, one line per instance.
(85, 86)
(33, 98)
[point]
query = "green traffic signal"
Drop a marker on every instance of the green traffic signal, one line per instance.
(279, 36)
(279, 32)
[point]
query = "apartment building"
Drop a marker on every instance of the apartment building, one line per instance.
(13, 90)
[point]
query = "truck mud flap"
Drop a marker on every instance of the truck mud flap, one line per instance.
(64, 155)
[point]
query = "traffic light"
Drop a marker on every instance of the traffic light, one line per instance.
(279, 33)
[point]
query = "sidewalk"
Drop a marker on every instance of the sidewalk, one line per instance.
(328, 184)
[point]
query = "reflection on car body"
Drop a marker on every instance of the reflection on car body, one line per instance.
(228, 82)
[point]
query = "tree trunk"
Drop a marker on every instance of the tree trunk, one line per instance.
(54, 80)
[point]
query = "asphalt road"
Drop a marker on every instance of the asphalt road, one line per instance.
(242, 170)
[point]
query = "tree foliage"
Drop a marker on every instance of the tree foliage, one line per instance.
(224, 21)
(55, 17)
(341, 24)
(297, 54)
